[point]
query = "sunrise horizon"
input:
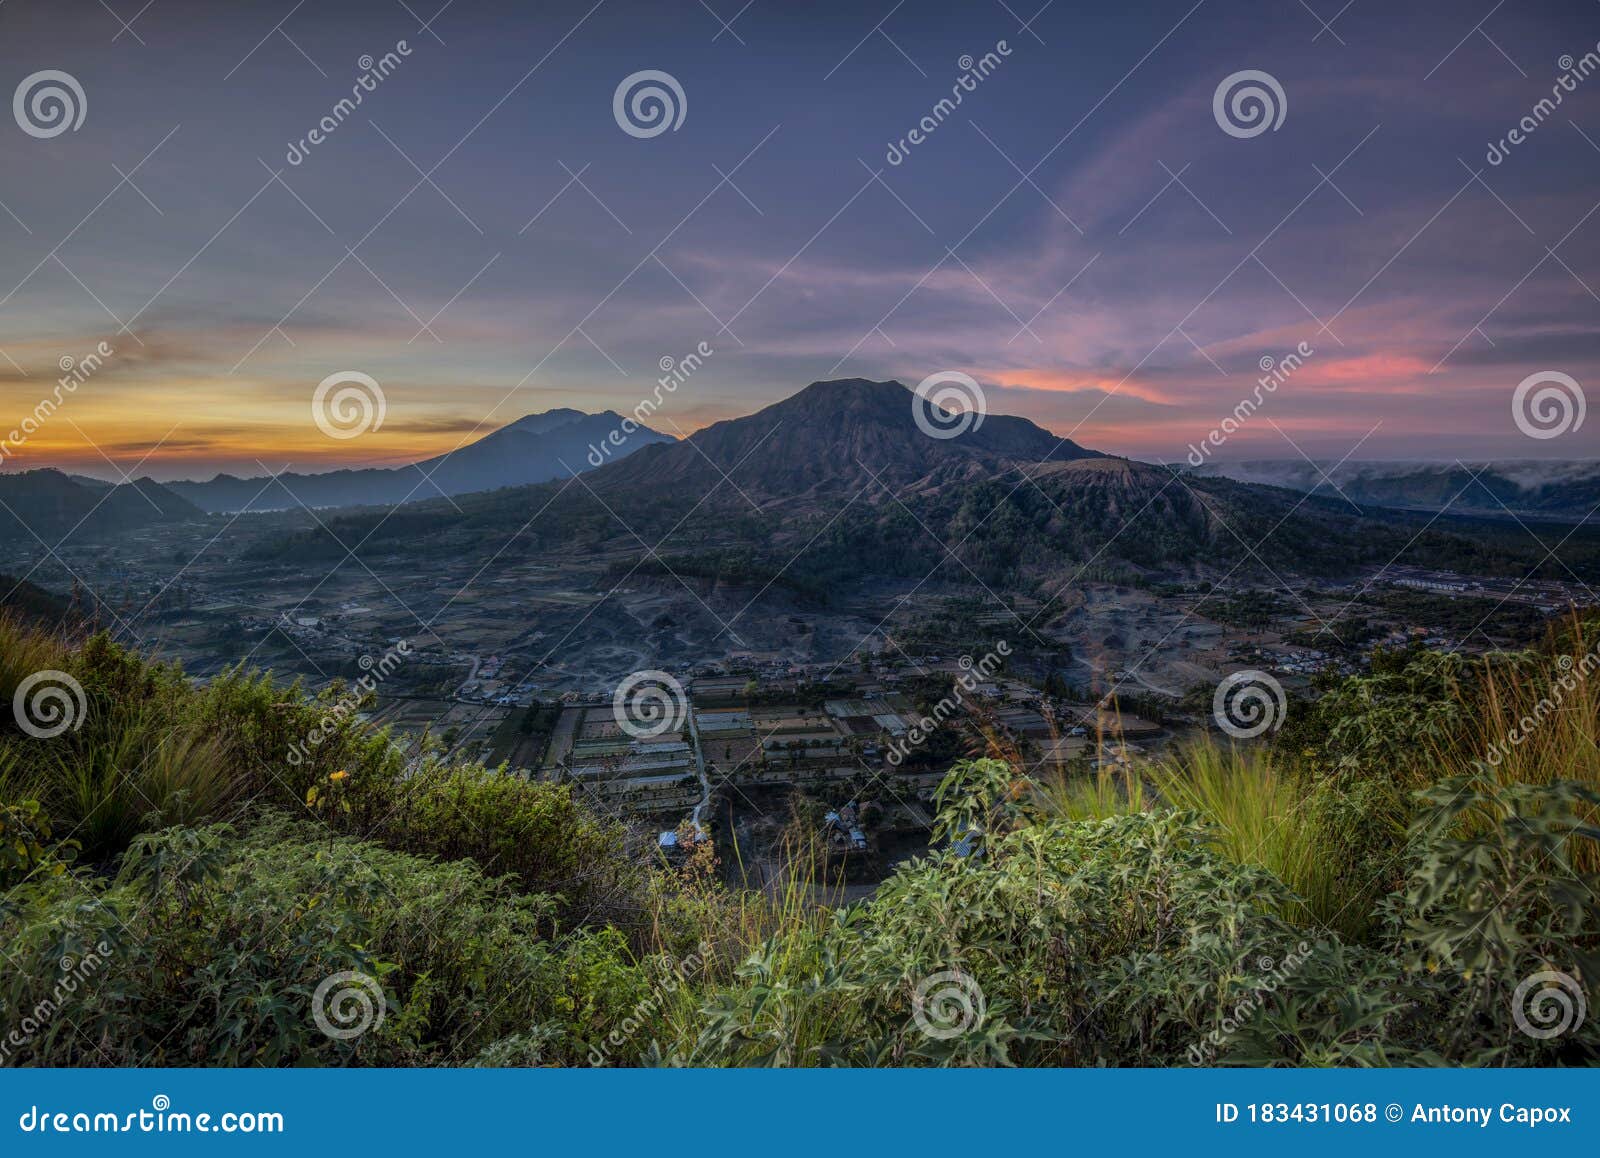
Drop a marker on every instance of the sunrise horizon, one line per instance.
(1114, 275)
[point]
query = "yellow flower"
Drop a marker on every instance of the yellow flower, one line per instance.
(341, 774)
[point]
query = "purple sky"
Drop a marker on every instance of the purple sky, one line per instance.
(1079, 234)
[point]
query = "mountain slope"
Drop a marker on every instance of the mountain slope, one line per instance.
(837, 484)
(47, 505)
(533, 449)
(1551, 490)
(834, 437)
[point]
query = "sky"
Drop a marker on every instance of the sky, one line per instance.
(484, 238)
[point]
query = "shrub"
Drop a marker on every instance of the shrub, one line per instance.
(211, 944)
(1090, 942)
(1372, 892)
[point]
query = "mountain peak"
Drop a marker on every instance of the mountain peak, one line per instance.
(837, 435)
(834, 389)
(529, 450)
(547, 421)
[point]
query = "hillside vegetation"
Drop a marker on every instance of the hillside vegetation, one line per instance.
(1370, 889)
(761, 498)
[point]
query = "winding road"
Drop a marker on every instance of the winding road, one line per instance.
(705, 782)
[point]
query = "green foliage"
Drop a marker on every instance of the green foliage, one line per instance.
(1493, 895)
(217, 940)
(133, 758)
(979, 799)
(1131, 941)
(532, 831)
(1265, 814)
(1100, 942)
(1367, 892)
(26, 847)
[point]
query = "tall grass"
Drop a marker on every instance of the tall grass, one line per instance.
(1265, 814)
(1111, 791)
(770, 927)
(126, 766)
(1262, 812)
(139, 775)
(1334, 827)
(1538, 722)
(24, 652)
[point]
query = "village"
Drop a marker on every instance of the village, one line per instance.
(848, 714)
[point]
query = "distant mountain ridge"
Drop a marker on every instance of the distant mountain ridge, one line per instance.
(534, 449)
(848, 484)
(839, 483)
(49, 505)
(1568, 491)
